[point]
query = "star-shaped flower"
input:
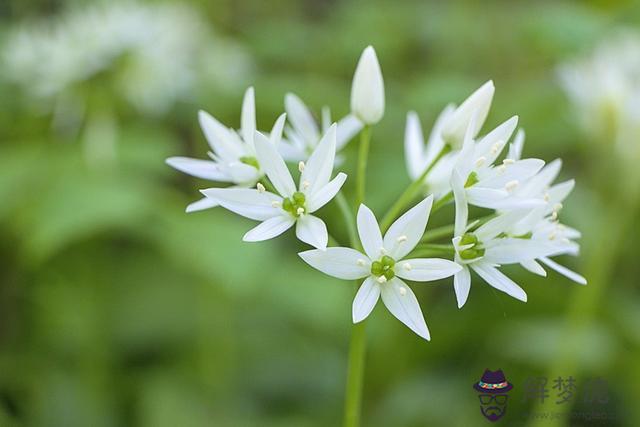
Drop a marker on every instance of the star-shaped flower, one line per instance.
(233, 154)
(291, 205)
(384, 265)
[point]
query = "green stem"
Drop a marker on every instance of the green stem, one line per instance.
(355, 375)
(410, 193)
(363, 154)
(348, 217)
(438, 233)
(442, 202)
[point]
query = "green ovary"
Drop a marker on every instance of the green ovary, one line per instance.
(251, 161)
(473, 252)
(294, 204)
(383, 267)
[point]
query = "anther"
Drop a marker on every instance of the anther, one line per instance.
(557, 207)
(511, 185)
(300, 211)
(496, 147)
(306, 184)
(401, 239)
(480, 161)
(260, 188)
(554, 215)
(301, 166)
(508, 161)
(275, 204)
(546, 197)
(381, 279)
(502, 168)
(383, 251)
(361, 262)
(402, 290)
(406, 266)
(552, 235)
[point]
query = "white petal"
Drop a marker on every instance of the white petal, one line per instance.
(326, 193)
(319, 167)
(479, 103)
(276, 132)
(405, 233)
(312, 230)
(462, 285)
(499, 281)
(343, 263)
(365, 299)
(426, 269)
(219, 138)
(273, 165)
(348, 127)
(536, 185)
(403, 304)
(300, 117)
(291, 152)
(499, 135)
(462, 209)
(369, 232)
(513, 251)
(269, 229)
(534, 267)
(520, 170)
(367, 89)
(559, 192)
(205, 169)
(414, 146)
(485, 197)
(515, 148)
(202, 204)
(436, 143)
(247, 202)
(248, 117)
(572, 275)
(499, 224)
(241, 173)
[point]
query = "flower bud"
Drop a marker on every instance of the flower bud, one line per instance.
(478, 102)
(367, 89)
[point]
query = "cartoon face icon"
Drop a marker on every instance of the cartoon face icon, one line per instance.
(493, 388)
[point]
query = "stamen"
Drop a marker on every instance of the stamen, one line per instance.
(275, 204)
(381, 279)
(406, 266)
(306, 184)
(402, 290)
(480, 161)
(361, 262)
(502, 168)
(552, 235)
(260, 188)
(401, 239)
(565, 241)
(508, 161)
(383, 251)
(557, 207)
(546, 197)
(301, 166)
(554, 215)
(300, 211)
(496, 147)
(511, 185)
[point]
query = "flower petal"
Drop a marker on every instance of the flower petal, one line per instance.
(406, 231)
(462, 209)
(319, 167)
(219, 137)
(426, 269)
(248, 117)
(367, 89)
(365, 299)
(572, 275)
(205, 169)
(500, 135)
(403, 304)
(273, 165)
(477, 103)
(534, 267)
(312, 230)
(369, 232)
(300, 117)
(247, 202)
(414, 146)
(326, 193)
(202, 204)
(513, 251)
(269, 229)
(343, 263)
(498, 280)
(276, 132)
(515, 148)
(462, 285)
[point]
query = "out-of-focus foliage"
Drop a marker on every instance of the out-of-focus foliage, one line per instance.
(117, 308)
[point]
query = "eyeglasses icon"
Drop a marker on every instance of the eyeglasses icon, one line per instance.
(499, 399)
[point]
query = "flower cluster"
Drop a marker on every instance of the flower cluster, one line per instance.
(456, 165)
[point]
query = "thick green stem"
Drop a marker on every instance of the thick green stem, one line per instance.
(410, 193)
(355, 375)
(438, 233)
(349, 219)
(363, 155)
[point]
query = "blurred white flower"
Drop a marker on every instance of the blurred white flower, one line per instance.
(303, 132)
(604, 86)
(457, 123)
(279, 212)
(233, 154)
(384, 265)
(367, 89)
(149, 54)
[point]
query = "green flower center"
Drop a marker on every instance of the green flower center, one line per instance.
(474, 251)
(383, 267)
(251, 161)
(295, 205)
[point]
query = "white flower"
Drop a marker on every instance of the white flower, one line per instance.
(495, 186)
(486, 248)
(233, 154)
(384, 265)
(367, 89)
(457, 124)
(290, 206)
(303, 134)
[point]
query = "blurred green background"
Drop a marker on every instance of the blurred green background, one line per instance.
(118, 309)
